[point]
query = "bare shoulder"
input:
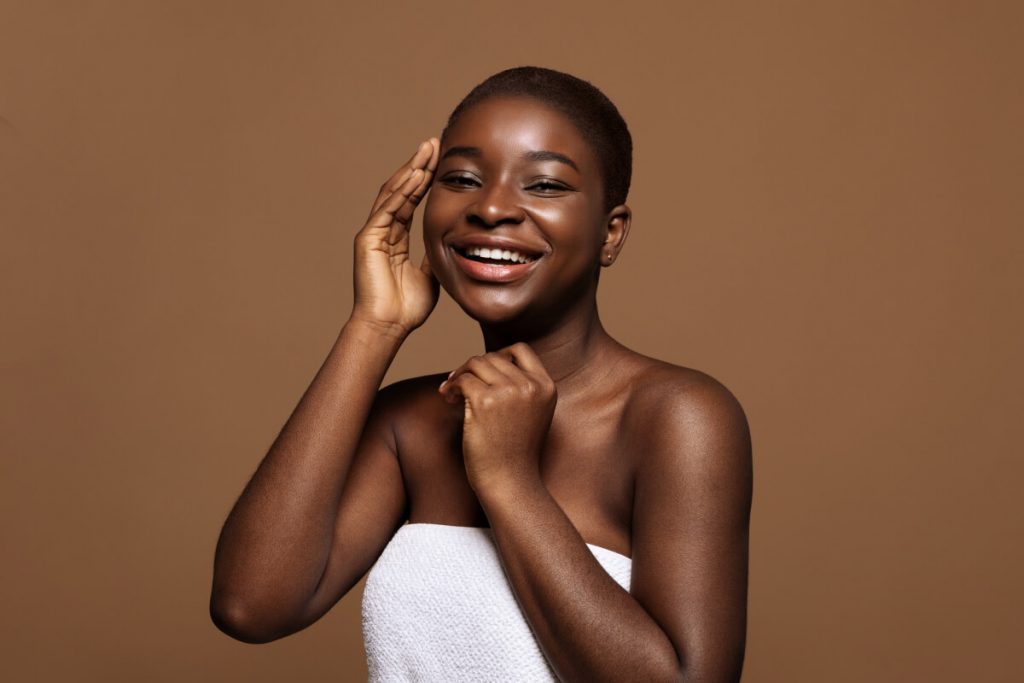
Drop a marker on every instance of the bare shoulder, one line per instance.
(670, 405)
(403, 394)
(413, 407)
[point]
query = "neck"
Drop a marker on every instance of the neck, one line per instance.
(573, 346)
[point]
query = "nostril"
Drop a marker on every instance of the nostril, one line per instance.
(485, 221)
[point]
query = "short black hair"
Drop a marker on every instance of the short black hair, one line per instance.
(596, 117)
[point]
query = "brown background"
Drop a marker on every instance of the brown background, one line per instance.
(827, 209)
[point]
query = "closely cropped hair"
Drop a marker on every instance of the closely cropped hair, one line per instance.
(588, 108)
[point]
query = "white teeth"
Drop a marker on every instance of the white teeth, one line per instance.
(503, 254)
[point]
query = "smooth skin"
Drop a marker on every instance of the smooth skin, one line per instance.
(555, 437)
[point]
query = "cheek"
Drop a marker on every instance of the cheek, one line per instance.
(433, 223)
(436, 222)
(572, 226)
(429, 211)
(438, 212)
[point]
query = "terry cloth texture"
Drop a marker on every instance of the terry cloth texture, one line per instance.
(437, 606)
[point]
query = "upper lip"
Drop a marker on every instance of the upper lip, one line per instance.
(496, 242)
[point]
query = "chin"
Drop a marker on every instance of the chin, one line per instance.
(489, 311)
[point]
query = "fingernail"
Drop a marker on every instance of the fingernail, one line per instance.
(451, 374)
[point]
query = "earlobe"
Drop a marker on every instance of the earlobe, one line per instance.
(619, 220)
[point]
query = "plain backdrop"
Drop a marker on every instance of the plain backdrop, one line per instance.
(827, 218)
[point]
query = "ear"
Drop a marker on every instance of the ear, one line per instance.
(615, 233)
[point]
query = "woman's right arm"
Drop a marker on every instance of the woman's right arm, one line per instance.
(328, 494)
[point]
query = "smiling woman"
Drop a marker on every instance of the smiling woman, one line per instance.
(517, 174)
(559, 507)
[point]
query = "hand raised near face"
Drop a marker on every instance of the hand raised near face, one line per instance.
(390, 291)
(509, 400)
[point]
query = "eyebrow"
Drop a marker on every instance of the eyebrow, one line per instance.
(535, 155)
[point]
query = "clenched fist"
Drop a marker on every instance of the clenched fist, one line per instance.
(509, 400)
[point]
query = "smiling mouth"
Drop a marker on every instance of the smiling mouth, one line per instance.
(494, 265)
(498, 257)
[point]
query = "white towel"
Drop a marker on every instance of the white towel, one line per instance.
(437, 606)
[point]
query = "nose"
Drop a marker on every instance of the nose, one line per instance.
(497, 203)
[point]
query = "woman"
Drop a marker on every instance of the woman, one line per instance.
(559, 485)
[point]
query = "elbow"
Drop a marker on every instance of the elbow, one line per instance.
(242, 621)
(710, 674)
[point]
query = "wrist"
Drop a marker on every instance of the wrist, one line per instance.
(509, 491)
(390, 333)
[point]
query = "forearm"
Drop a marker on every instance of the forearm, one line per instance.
(588, 626)
(275, 543)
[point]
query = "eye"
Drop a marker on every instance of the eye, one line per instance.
(547, 186)
(461, 181)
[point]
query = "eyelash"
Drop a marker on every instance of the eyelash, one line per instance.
(457, 180)
(545, 185)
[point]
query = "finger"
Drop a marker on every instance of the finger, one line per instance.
(420, 159)
(387, 190)
(405, 214)
(402, 222)
(384, 217)
(502, 362)
(430, 168)
(485, 368)
(403, 217)
(435, 154)
(429, 165)
(468, 386)
(528, 360)
(476, 366)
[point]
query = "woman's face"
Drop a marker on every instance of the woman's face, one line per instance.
(515, 177)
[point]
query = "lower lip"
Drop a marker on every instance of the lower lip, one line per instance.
(490, 272)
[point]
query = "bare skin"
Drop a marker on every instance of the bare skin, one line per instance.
(555, 437)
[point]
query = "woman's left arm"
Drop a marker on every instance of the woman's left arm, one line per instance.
(684, 618)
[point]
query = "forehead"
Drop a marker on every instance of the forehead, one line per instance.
(519, 124)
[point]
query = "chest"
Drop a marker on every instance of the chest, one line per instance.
(587, 466)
